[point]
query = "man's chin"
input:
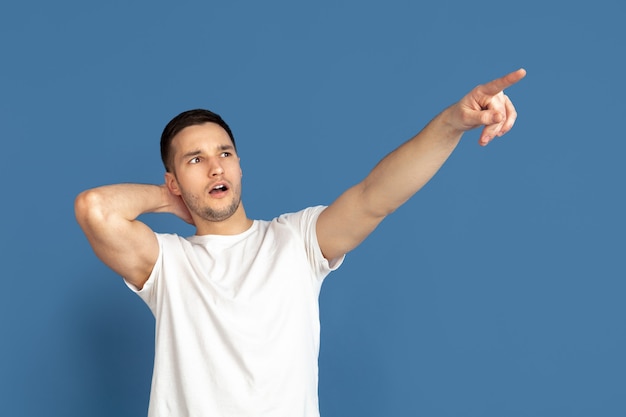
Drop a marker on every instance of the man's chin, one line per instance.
(219, 215)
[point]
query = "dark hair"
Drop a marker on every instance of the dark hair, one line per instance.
(186, 119)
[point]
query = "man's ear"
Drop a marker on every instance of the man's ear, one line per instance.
(172, 183)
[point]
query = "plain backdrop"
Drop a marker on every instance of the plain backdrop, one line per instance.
(498, 290)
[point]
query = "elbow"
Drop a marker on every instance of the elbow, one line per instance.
(378, 211)
(375, 206)
(88, 206)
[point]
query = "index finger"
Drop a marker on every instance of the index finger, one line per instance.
(499, 84)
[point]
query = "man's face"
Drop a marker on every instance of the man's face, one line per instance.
(206, 172)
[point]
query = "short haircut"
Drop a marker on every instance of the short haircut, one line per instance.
(186, 119)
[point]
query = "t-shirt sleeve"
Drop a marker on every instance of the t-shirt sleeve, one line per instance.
(148, 292)
(305, 224)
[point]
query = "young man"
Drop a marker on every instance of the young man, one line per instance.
(236, 305)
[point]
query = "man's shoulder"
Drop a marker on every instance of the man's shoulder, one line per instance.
(172, 238)
(304, 214)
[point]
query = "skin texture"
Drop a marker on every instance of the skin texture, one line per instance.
(204, 157)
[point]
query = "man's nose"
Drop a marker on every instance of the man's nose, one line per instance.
(216, 168)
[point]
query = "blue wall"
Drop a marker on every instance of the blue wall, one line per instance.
(497, 290)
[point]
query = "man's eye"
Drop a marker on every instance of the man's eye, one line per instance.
(194, 160)
(226, 154)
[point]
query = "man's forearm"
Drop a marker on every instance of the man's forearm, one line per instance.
(408, 168)
(128, 201)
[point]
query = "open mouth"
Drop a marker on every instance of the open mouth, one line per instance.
(220, 188)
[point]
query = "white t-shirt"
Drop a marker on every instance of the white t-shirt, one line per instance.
(237, 321)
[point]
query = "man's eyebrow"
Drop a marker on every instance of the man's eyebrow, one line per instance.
(226, 147)
(191, 153)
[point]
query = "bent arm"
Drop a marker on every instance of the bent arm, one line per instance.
(357, 212)
(108, 217)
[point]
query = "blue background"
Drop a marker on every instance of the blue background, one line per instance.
(497, 290)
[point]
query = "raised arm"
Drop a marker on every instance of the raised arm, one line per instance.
(108, 216)
(357, 212)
